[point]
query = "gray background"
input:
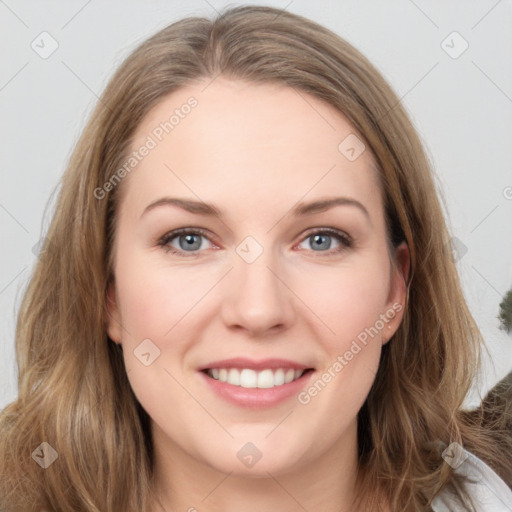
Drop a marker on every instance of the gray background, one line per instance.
(462, 108)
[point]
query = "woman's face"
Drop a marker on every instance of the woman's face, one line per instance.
(260, 286)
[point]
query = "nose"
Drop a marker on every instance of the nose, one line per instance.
(257, 298)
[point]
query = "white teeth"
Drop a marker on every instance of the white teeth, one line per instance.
(266, 379)
(248, 378)
(279, 377)
(289, 376)
(234, 377)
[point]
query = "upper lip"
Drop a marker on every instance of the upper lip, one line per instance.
(262, 364)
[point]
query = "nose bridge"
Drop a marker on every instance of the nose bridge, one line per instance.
(258, 298)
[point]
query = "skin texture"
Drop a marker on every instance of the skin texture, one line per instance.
(254, 151)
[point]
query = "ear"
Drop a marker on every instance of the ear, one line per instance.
(395, 306)
(114, 317)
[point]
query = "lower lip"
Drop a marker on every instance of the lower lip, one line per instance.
(257, 398)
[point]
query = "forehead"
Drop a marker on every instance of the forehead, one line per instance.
(244, 142)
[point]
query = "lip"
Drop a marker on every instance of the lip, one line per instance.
(257, 398)
(262, 364)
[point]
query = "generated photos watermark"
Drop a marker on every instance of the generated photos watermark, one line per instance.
(305, 397)
(151, 142)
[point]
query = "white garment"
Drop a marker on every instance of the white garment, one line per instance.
(489, 492)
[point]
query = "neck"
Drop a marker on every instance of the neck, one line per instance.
(183, 483)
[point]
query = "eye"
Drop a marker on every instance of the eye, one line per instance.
(189, 241)
(321, 238)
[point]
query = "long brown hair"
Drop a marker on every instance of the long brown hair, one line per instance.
(74, 393)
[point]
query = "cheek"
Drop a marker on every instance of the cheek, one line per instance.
(349, 302)
(350, 306)
(348, 299)
(156, 300)
(156, 305)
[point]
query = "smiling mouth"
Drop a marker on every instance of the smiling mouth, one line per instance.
(248, 378)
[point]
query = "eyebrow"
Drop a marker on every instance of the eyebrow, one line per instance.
(302, 209)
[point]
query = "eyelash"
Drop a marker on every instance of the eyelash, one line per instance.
(345, 241)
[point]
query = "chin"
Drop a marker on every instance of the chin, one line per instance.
(255, 460)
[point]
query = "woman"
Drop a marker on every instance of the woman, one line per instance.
(250, 372)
